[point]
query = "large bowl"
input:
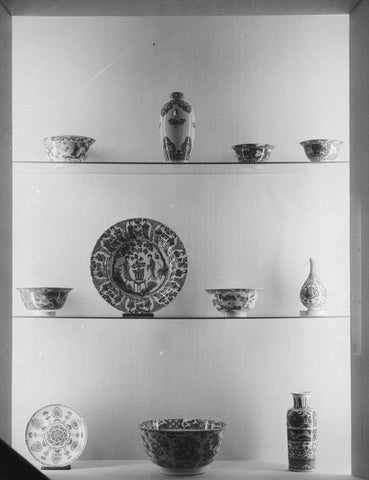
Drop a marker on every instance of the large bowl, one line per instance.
(321, 150)
(182, 446)
(44, 300)
(234, 302)
(67, 148)
(252, 152)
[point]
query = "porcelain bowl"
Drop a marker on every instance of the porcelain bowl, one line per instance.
(182, 446)
(44, 300)
(252, 152)
(67, 148)
(321, 150)
(234, 302)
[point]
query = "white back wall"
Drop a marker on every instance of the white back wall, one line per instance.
(275, 80)
(278, 80)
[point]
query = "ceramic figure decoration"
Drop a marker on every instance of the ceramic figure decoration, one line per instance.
(182, 446)
(313, 293)
(138, 266)
(177, 129)
(301, 434)
(56, 436)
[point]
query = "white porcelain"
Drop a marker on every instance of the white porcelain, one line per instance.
(67, 148)
(182, 446)
(313, 293)
(234, 302)
(138, 265)
(56, 435)
(302, 430)
(177, 129)
(252, 152)
(321, 150)
(43, 300)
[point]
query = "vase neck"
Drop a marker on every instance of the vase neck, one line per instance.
(312, 266)
(177, 95)
(301, 400)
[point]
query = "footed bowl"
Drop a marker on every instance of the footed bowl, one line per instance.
(67, 148)
(252, 152)
(182, 446)
(44, 300)
(234, 302)
(321, 150)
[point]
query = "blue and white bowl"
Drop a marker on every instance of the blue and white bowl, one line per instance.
(44, 301)
(252, 152)
(234, 302)
(181, 446)
(67, 148)
(321, 150)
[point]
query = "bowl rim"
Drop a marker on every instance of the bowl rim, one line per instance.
(220, 425)
(248, 145)
(317, 140)
(214, 290)
(54, 138)
(32, 289)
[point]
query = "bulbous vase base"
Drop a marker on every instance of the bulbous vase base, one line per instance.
(297, 470)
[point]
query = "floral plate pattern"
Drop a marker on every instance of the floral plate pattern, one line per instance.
(138, 265)
(56, 435)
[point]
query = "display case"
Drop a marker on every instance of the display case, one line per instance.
(249, 78)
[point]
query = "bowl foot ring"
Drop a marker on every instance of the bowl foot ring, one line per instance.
(182, 471)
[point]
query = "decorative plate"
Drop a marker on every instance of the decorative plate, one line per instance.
(139, 265)
(56, 435)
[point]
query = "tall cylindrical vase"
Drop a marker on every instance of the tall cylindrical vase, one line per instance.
(177, 129)
(313, 293)
(301, 434)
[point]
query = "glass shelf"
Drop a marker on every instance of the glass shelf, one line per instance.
(180, 317)
(32, 167)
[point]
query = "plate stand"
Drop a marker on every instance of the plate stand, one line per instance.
(67, 467)
(138, 315)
